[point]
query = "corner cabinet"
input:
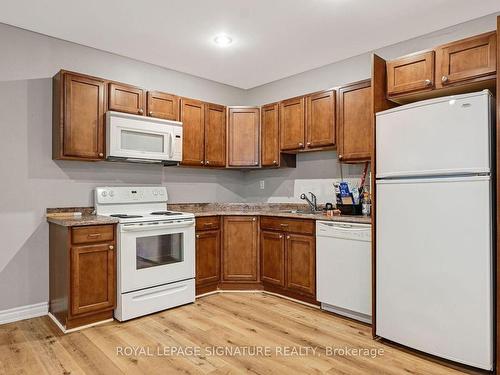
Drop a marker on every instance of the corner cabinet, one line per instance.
(78, 117)
(82, 274)
(355, 122)
(243, 133)
(240, 256)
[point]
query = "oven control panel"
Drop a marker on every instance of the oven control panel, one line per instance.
(143, 194)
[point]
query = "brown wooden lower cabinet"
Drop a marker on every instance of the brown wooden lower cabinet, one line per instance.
(82, 274)
(208, 248)
(288, 260)
(240, 256)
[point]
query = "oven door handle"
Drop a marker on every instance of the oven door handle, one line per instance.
(146, 227)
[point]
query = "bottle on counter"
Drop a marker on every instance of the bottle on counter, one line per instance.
(366, 204)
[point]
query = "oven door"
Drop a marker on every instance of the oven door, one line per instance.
(155, 253)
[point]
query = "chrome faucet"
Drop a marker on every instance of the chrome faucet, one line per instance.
(313, 202)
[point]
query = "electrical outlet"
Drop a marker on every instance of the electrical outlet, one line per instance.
(262, 184)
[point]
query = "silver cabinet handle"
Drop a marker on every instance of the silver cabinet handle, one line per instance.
(444, 79)
(428, 82)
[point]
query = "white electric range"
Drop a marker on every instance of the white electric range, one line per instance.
(156, 250)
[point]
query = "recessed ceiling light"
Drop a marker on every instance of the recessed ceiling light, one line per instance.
(223, 40)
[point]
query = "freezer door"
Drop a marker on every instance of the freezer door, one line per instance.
(434, 267)
(438, 137)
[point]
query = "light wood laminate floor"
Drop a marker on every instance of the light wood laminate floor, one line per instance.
(237, 322)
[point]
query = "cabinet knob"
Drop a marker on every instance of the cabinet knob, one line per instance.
(111, 247)
(253, 219)
(197, 236)
(275, 162)
(301, 144)
(281, 236)
(202, 162)
(428, 82)
(256, 163)
(140, 111)
(444, 79)
(308, 143)
(101, 154)
(207, 162)
(287, 237)
(151, 113)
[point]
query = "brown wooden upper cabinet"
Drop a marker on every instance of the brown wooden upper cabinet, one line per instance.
(240, 256)
(410, 73)
(126, 98)
(79, 105)
(270, 142)
(292, 124)
(243, 130)
(193, 132)
(467, 59)
(215, 135)
(355, 122)
(162, 105)
(204, 133)
(320, 119)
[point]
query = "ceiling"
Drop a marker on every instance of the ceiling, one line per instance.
(272, 39)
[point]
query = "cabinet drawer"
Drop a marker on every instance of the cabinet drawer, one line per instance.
(287, 225)
(92, 233)
(207, 223)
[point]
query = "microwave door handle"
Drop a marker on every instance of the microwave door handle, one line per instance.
(141, 228)
(171, 145)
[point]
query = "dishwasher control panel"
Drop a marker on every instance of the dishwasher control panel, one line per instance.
(354, 231)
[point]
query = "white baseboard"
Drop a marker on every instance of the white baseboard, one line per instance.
(24, 312)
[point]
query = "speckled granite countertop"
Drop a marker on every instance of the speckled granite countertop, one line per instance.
(60, 216)
(204, 209)
(261, 209)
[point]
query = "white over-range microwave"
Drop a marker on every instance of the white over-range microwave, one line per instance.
(142, 139)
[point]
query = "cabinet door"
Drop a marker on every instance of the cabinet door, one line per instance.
(410, 73)
(163, 105)
(125, 98)
(272, 255)
(355, 122)
(207, 257)
(82, 118)
(466, 59)
(240, 257)
(320, 119)
(292, 124)
(243, 137)
(301, 263)
(193, 132)
(269, 133)
(215, 135)
(92, 278)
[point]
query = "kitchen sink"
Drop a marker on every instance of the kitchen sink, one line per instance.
(302, 212)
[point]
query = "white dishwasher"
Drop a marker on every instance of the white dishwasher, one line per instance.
(343, 269)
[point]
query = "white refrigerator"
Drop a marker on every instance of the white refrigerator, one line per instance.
(434, 270)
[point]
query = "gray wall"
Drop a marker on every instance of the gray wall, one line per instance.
(32, 181)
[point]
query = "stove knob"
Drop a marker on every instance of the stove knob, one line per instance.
(104, 193)
(155, 192)
(111, 193)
